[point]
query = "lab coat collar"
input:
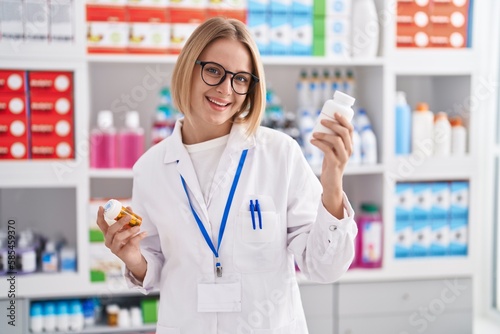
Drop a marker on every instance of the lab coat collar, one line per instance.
(238, 141)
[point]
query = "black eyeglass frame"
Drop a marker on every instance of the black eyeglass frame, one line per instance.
(255, 79)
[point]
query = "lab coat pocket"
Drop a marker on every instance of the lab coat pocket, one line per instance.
(167, 330)
(257, 242)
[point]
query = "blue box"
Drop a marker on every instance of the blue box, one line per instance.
(403, 227)
(281, 34)
(422, 195)
(258, 24)
(302, 34)
(440, 219)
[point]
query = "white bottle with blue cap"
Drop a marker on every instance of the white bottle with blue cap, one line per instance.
(342, 104)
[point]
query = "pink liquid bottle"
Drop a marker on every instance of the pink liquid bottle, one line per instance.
(130, 141)
(370, 234)
(103, 142)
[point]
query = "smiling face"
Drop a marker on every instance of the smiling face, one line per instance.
(213, 107)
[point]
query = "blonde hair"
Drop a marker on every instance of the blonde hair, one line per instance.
(253, 107)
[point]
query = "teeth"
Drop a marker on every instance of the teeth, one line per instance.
(218, 103)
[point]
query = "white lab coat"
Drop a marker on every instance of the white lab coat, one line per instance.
(296, 225)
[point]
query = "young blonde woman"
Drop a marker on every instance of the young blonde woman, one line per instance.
(228, 206)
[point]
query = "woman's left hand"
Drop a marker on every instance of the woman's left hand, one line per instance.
(337, 149)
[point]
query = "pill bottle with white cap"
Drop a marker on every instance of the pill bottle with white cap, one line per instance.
(341, 103)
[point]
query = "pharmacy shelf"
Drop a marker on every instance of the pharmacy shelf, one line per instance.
(422, 168)
(267, 60)
(102, 329)
(112, 173)
(433, 62)
(38, 173)
(414, 268)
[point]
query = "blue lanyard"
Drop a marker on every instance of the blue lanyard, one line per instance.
(218, 266)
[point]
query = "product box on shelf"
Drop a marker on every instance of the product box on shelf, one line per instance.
(280, 6)
(11, 21)
(12, 104)
(50, 82)
(36, 21)
(421, 222)
(433, 24)
(281, 33)
(149, 30)
(107, 29)
(440, 219)
(12, 81)
(403, 199)
(51, 104)
(258, 6)
(302, 34)
(258, 24)
(61, 17)
(14, 137)
(459, 193)
(302, 7)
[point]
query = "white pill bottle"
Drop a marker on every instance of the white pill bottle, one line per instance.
(342, 104)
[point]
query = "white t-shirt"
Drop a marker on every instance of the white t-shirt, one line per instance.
(205, 157)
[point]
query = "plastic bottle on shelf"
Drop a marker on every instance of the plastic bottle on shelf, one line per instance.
(75, 316)
(422, 138)
(303, 91)
(458, 136)
(88, 308)
(316, 92)
(306, 124)
(103, 142)
(365, 31)
(355, 158)
(50, 258)
(67, 259)
(350, 83)
(362, 119)
(403, 125)
(26, 253)
(442, 135)
(62, 316)
(130, 141)
(368, 146)
(326, 86)
(49, 316)
(370, 236)
(342, 104)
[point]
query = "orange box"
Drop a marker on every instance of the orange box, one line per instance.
(228, 13)
(12, 81)
(12, 105)
(187, 15)
(107, 29)
(51, 104)
(50, 82)
(149, 30)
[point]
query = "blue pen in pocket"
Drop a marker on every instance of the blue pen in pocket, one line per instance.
(252, 209)
(257, 207)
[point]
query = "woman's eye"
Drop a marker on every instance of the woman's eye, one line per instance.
(241, 79)
(213, 70)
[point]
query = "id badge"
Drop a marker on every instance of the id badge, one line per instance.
(221, 295)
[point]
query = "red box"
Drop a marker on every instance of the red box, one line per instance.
(149, 30)
(12, 105)
(13, 127)
(12, 81)
(187, 15)
(51, 104)
(49, 148)
(51, 126)
(51, 82)
(228, 13)
(14, 148)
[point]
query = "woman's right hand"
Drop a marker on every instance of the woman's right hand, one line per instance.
(123, 241)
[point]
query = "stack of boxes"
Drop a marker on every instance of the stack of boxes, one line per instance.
(51, 115)
(433, 23)
(151, 26)
(37, 21)
(431, 219)
(332, 31)
(36, 111)
(13, 115)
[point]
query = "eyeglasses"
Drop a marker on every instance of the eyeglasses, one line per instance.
(214, 74)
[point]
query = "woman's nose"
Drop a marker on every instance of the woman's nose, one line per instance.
(225, 86)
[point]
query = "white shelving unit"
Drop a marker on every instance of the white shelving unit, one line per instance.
(442, 77)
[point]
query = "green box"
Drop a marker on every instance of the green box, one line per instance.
(97, 276)
(149, 308)
(319, 7)
(319, 46)
(319, 26)
(96, 235)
